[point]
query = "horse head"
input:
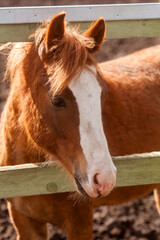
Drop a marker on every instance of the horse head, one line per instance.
(69, 100)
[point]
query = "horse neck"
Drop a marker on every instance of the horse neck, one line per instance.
(16, 146)
(131, 110)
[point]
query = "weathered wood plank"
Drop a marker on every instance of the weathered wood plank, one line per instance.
(115, 29)
(17, 32)
(80, 13)
(31, 179)
(138, 169)
(133, 28)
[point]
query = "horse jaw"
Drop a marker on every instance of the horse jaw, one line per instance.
(101, 172)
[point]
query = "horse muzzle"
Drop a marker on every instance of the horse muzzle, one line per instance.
(80, 188)
(98, 184)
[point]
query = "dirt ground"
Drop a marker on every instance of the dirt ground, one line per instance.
(137, 220)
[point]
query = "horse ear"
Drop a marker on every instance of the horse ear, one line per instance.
(55, 29)
(97, 32)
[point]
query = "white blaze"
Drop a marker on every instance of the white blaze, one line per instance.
(87, 92)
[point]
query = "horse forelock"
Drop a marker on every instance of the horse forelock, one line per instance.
(66, 58)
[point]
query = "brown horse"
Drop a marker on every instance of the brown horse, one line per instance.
(62, 107)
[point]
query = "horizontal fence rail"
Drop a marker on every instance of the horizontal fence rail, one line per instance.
(80, 13)
(36, 179)
(122, 20)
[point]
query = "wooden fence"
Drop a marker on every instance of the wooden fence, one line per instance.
(122, 21)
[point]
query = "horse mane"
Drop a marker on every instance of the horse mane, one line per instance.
(64, 60)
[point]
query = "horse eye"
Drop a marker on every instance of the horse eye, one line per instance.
(58, 101)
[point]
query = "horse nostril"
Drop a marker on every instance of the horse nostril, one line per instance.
(95, 180)
(97, 185)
